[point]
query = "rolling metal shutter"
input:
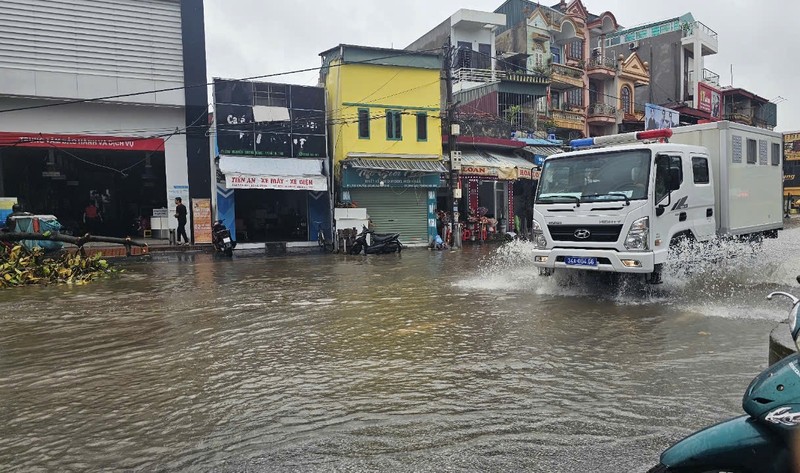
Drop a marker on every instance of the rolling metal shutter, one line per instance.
(404, 211)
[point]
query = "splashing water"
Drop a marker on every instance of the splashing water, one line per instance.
(725, 278)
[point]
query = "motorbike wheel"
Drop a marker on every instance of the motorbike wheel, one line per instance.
(355, 249)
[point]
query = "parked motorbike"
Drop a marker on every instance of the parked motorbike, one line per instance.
(379, 243)
(762, 440)
(221, 239)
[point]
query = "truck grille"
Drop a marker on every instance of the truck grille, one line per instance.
(597, 233)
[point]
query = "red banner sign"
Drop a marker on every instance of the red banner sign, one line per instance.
(48, 140)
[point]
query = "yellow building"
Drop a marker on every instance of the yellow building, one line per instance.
(384, 122)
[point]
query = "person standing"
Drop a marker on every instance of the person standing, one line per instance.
(92, 218)
(180, 214)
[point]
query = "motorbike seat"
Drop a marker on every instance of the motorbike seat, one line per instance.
(384, 237)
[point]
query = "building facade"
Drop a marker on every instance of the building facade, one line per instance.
(591, 91)
(272, 166)
(94, 108)
(384, 123)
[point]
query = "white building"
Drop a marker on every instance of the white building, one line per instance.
(92, 103)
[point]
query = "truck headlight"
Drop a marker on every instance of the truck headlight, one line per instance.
(639, 235)
(538, 236)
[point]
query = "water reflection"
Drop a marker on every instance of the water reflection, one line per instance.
(460, 361)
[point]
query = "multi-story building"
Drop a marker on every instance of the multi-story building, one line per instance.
(791, 166)
(93, 107)
(492, 97)
(745, 107)
(272, 162)
(591, 91)
(384, 123)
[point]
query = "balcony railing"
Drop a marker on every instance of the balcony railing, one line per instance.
(698, 27)
(566, 75)
(602, 110)
(710, 77)
(465, 74)
(569, 120)
(600, 62)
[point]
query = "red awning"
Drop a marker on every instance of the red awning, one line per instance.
(49, 140)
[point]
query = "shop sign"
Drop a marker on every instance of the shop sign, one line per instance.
(709, 100)
(353, 178)
(479, 170)
(536, 175)
(108, 143)
(201, 220)
(525, 173)
(244, 181)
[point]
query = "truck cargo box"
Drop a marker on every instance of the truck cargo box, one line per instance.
(747, 163)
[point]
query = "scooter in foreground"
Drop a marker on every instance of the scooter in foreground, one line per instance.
(221, 239)
(761, 441)
(380, 243)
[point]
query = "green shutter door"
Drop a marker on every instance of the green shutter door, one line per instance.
(396, 210)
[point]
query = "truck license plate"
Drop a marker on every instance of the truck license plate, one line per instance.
(580, 261)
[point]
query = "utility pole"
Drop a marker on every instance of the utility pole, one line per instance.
(454, 190)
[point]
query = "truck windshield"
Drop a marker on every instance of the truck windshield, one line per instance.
(615, 175)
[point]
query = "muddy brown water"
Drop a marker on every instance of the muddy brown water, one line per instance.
(448, 361)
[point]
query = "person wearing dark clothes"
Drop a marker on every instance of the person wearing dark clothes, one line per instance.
(16, 211)
(180, 214)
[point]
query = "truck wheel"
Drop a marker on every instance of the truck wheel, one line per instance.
(546, 272)
(655, 276)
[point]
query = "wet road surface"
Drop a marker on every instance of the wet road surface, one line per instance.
(426, 361)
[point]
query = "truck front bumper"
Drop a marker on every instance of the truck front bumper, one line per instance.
(607, 260)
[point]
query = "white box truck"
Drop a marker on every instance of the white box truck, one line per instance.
(618, 207)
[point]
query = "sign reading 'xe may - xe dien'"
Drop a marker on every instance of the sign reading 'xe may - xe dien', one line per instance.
(49, 140)
(241, 181)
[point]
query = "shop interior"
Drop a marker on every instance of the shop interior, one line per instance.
(125, 186)
(271, 215)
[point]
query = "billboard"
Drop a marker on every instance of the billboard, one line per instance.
(269, 119)
(656, 117)
(709, 100)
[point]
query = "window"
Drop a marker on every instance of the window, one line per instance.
(484, 56)
(422, 127)
(752, 151)
(625, 99)
(575, 50)
(464, 59)
(776, 154)
(700, 170)
(575, 98)
(666, 165)
(270, 95)
(394, 125)
(363, 123)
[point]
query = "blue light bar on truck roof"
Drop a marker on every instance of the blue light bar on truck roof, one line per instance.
(663, 133)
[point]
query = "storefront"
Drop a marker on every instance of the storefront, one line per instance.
(123, 178)
(273, 199)
(491, 179)
(399, 195)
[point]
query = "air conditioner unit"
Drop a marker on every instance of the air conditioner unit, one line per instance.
(633, 45)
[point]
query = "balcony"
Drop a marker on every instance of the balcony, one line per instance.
(470, 77)
(601, 67)
(697, 31)
(565, 77)
(601, 113)
(570, 120)
(710, 77)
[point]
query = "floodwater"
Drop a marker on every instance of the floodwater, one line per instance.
(427, 361)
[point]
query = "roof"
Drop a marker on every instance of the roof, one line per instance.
(543, 150)
(738, 90)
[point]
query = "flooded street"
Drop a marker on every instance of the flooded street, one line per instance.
(451, 361)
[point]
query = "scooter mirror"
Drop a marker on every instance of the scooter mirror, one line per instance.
(794, 323)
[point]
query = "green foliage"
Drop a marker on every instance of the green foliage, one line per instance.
(20, 267)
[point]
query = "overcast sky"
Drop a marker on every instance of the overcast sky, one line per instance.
(253, 37)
